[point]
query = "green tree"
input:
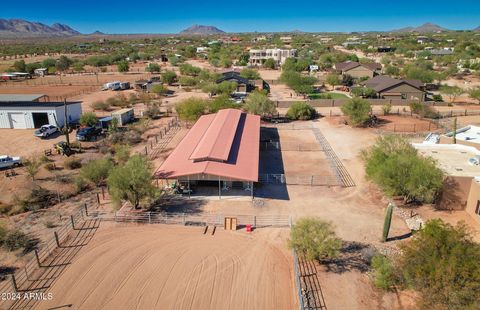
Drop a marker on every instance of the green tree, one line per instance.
(122, 153)
(97, 171)
(357, 110)
(441, 262)
(20, 66)
(258, 103)
(159, 89)
(88, 119)
(396, 167)
(30, 68)
(364, 92)
(333, 79)
(384, 274)
(169, 77)
(123, 66)
(392, 70)
(188, 69)
(226, 87)
(250, 74)
(315, 238)
(269, 63)
(132, 182)
(63, 63)
(475, 94)
(153, 67)
(49, 62)
(301, 111)
(221, 102)
(452, 92)
(78, 66)
(190, 109)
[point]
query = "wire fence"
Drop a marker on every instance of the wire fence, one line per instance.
(158, 142)
(21, 279)
(298, 147)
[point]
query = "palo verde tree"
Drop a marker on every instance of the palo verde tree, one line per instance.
(88, 119)
(357, 110)
(315, 238)
(475, 94)
(132, 182)
(258, 103)
(190, 109)
(123, 66)
(396, 167)
(301, 111)
(452, 92)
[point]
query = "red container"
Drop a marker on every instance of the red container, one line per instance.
(249, 228)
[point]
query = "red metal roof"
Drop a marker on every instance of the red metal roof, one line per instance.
(225, 144)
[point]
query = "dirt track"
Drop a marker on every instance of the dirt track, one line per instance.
(173, 267)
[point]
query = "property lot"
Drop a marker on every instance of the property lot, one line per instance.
(174, 267)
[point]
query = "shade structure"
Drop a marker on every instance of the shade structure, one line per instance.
(224, 144)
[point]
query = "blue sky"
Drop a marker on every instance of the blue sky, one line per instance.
(162, 16)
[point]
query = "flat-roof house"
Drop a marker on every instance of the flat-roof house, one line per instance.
(390, 88)
(221, 150)
(33, 114)
(460, 164)
(358, 70)
(258, 56)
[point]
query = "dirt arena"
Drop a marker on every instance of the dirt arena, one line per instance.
(175, 267)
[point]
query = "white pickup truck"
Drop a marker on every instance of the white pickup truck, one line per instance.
(7, 161)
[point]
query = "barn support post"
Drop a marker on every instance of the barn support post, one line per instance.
(251, 190)
(219, 189)
(188, 180)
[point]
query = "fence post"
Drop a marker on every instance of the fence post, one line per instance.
(103, 193)
(149, 217)
(14, 283)
(146, 152)
(56, 238)
(86, 210)
(311, 180)
(72, 221)
(255, 221)
(414, 127)
(465, 112)
(156, 139)
(183, 218)
(38, 258)
(98, 198)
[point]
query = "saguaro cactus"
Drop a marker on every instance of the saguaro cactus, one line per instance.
(388, 222)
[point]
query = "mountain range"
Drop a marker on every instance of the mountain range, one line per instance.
(425, 28)
(201, 29)
(19, 28)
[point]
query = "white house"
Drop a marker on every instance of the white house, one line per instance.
(31, 114)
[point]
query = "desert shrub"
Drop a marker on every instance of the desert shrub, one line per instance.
(383, 272)
(320, 96)
(221, 102)
(50, 166)
(16, 239)
(387, 108)
(32, 166)
(437, 98)
(72, 163)
(80, 184)
(441, 262)
(250, 74)
(159, 89)
(132, 137)
(169, 77)
(5, 209)
(315, 238)
(88, 119)
(423, 110)
(100, 106)
(152, 111)
(39, 198)
(3, 232)
(96, 171)
(50, 224)
(132, 98)
(122, 153)
(394, 165)
(357, 110)
(301, 111)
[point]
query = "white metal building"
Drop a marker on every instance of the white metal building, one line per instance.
(28, 114)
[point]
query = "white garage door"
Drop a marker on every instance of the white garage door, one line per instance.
(17, 120)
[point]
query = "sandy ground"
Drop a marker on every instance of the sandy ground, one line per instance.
(172, 267)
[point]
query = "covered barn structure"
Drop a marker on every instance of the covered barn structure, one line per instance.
(220, 151)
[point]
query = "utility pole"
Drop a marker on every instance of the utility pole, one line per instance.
(67, 133)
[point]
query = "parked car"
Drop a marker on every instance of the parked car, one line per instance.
(8, 162)
(88, 133)
(45, 131)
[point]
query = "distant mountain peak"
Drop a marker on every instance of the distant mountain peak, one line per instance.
(19, 28)
(425, 28)
(201, 29)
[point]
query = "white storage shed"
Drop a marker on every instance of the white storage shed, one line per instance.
(28, 114)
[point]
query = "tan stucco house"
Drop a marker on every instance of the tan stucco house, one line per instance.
(358, 70)
(390, 88)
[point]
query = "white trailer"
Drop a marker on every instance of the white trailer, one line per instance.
(124, 116)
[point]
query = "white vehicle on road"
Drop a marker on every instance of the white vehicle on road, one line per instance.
(45, 131)
(7, 161)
